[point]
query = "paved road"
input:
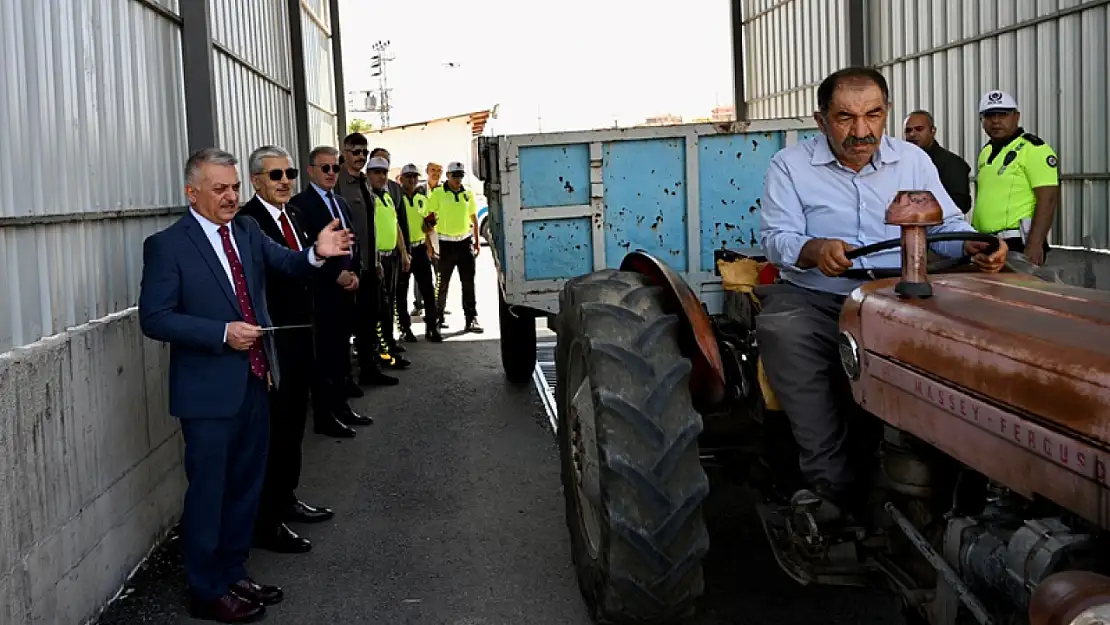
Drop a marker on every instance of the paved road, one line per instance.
(449, 512)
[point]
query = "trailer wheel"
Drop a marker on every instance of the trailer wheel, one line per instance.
(518, 342)
(628, 444)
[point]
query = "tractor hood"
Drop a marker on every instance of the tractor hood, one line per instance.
(1007, 373)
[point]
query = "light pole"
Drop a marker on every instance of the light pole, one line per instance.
(378, 63)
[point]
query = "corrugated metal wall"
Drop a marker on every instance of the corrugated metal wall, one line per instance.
(94, 138)
(789, 47)
(320, 88)
(942, 55)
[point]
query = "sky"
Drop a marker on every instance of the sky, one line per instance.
(565, 65)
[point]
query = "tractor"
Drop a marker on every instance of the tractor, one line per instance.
(979, 406)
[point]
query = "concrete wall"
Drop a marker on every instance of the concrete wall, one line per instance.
(90, 468)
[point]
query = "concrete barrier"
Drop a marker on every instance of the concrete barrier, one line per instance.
(90, 468)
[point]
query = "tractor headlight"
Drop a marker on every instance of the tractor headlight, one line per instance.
(849, 355)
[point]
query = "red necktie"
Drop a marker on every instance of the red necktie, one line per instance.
(257, 356)
(287, 230)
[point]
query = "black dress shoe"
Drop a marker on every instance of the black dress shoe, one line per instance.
(350, 417)
(397, 362)
(264, 594)
(433, 335)
(301, 512)
(230, 608)
(472, 325)
(282, 540)
(377, 378)
(352, 390)
(334, 429)
(408, 336)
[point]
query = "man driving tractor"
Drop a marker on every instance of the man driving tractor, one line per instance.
(823, 198)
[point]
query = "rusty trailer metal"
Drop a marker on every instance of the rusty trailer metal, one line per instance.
(567, 204)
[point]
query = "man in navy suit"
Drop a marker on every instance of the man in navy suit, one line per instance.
(319, 203)
(203, 291)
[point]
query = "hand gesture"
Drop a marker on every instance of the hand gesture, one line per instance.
(348, 280)
(241, 335)
(831, 257)
(333, 240)
(992, 263)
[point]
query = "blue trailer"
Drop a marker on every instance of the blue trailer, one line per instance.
(566, 204)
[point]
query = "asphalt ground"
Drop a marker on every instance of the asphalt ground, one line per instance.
(449, 511)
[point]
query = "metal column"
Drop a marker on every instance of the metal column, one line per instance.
(199, 69)
(300, 85)
(337, 64)
(739, 98)
(857, 33)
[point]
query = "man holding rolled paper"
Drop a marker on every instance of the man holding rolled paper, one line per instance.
(203, 291)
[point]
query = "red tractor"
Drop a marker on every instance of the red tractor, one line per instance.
(981, 406)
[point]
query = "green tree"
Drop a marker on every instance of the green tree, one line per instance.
(359, 125)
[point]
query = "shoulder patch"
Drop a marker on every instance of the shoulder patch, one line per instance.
(1032, 138)
(1051, 160)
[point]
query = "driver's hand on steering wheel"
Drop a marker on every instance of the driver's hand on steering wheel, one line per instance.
(831, 259)
(984, 263)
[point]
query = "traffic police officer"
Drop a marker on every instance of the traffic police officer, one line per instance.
(422, 250)
(1018, 184)
(393, 254)
(456, 214)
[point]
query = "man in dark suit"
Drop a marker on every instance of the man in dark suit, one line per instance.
(955, 173)
(203, 291)
(335, 302)
(290, 304)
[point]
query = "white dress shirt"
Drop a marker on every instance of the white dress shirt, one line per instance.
(276, 214)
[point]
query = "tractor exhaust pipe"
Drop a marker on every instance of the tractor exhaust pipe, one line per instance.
(914, 212)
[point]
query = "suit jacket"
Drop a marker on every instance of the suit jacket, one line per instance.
(289, 299)
(316, 216)
(186, 300)
(955, 175)
(356, 191)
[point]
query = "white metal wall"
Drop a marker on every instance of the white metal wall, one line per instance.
(320, 75)
(253, 78)
(93, 122)
(942, 55)
(789, 47)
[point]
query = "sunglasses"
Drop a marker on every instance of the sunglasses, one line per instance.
(327, 169)
(359, 151)
(276, 174)
(456, 175)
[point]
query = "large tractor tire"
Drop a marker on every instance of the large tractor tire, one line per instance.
(518, 342)
(628, 443)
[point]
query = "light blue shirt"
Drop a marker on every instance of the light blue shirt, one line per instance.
(332, 204)
(808, 195)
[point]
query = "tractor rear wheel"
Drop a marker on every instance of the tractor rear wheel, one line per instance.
(628, 443)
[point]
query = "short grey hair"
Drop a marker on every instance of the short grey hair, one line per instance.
(264, 152)
(319, 150)
(927, 114)
(207, 156)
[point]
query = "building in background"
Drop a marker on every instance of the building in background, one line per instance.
(441, 140)
(112, 97)
(942, 55)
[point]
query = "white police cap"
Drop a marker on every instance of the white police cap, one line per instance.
(377, 163)
(997, 100)
(409, 169)
(455, 167)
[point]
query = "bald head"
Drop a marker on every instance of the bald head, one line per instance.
(920, 129)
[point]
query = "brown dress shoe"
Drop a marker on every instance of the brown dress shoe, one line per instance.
(229, 608)
(265, 594)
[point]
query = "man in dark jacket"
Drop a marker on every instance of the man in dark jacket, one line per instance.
(334, 301)
(955, 173)
(290, 304)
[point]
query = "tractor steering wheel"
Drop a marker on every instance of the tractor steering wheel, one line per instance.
(939, 266)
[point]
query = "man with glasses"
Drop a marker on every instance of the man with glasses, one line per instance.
(290, 304)
(334, 301)
(456, 214)
(354, 187)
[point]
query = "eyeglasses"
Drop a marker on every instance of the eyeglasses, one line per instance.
(327, 169)
(359, 151)
(275, 174)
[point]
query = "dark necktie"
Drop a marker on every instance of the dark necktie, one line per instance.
(257, 356)
(287, 230)
(335, 213)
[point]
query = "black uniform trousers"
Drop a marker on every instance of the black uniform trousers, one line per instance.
(335, 314)
(417, 298)
(458, 255)
(421, 273)
(366, 322)
(288, 413)
(385, 291)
